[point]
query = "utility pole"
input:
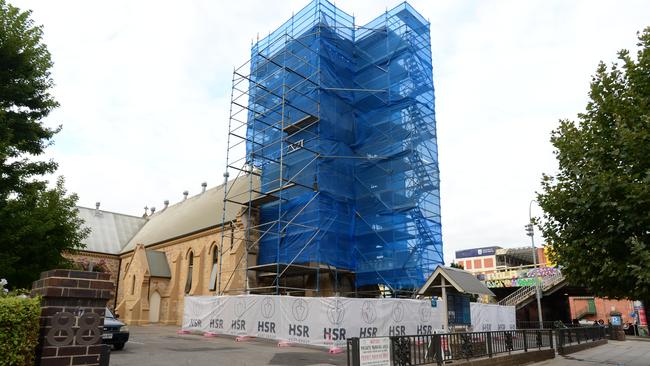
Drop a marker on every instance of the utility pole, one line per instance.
(530, 231)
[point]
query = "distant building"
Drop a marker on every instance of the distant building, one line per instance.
(505, 270)
(590, 309)
(478, 260)
(487, 261)
(110, 232)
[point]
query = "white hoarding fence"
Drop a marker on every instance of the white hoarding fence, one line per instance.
(328, 321)
(490, 317)
(323, 321)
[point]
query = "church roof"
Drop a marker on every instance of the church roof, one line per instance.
(158, 265)
(194, 214)
(109, 231)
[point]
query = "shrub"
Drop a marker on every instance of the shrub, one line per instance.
(19, 327)
(86, 265)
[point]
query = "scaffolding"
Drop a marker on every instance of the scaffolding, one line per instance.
(333, 127)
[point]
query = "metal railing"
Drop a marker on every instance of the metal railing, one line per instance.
(441, 348)
(578, 335)
(549, 324)
(551, 281)
(518, 296)
(526, 292)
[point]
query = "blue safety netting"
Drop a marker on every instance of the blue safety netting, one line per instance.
(341, 124)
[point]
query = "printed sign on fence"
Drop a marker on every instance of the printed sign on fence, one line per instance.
(491, 317)
(374, 351)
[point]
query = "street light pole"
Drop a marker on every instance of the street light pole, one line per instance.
(530, 231)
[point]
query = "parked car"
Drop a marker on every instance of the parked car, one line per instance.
(115, 332)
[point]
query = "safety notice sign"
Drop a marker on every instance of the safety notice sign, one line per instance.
(374, 351)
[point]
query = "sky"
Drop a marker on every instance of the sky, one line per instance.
(144, 88)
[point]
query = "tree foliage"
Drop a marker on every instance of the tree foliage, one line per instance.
(36, 223)
(597, 207)
(456, 265)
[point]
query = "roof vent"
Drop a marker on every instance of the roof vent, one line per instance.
(153, 209)
(166, 204)
(97, 205)
(97, 213)
(204, 185)
(185, 193)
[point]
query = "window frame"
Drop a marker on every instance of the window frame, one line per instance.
(190, 269)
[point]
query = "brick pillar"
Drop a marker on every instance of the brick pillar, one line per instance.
(72, 317)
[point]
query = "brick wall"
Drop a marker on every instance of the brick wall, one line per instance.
(112, 263)
(72, 316)
(603, 308)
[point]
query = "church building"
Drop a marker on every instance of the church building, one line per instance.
(159, 258)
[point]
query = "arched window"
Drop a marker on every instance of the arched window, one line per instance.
(215, 261)
(190, 267)
(126, 269)
(133, 286)
(232, 236)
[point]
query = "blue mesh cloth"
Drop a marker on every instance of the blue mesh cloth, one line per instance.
(341, 124)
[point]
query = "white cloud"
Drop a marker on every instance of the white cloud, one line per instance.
(144, 88)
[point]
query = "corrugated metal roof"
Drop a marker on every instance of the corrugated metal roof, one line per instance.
(194, 214)
(109, 231)
(158, 265)
(461, 280)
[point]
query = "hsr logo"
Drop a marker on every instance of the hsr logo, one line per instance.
(368, 312)
(240, 309)
(193, 313)
(215, 321)
(369, 315)
(398, 312)
(425, 312)
(299, 310)
(335, 313)
(267, 308)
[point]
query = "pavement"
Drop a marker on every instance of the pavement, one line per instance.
(614, 353)
(160, 346)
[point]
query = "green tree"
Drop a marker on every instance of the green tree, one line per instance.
(597, 207)
(456, 265)
(37, 224)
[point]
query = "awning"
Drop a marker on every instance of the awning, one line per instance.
(458, 279)
(524, 254)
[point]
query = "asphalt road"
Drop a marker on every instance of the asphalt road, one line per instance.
(160, 346)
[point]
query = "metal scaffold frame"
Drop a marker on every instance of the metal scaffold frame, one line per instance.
(332, 144)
